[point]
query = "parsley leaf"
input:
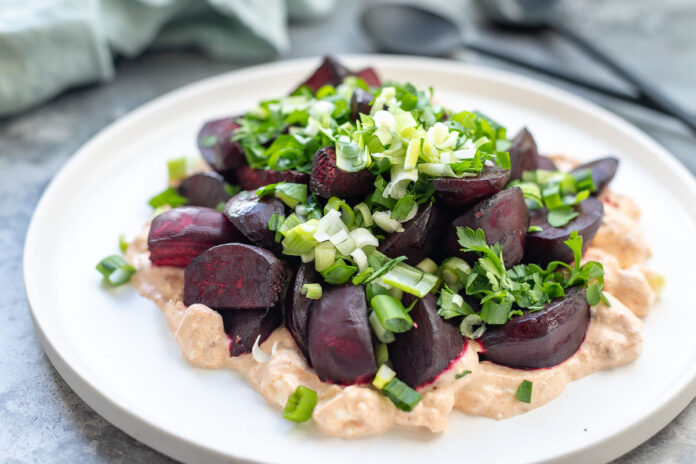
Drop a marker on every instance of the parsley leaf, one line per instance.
(524, 392)
(561, 216)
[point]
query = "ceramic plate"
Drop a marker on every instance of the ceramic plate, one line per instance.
(114, 349)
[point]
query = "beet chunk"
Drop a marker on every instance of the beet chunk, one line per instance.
(418, 238)
(603, 171)
(461, 192)
(297, 307)
(523, 154)
(503, 218)
(340, 340)
(250, 213)
(216, 146)
(422, 353)
(540, 339)
(180, 234)
(234, 275)
(328, 180)
(329, 72)
(546, 163)
(369, 75)
(547, 245)
(204, 189)
(244, 326)
(251, 179)
(360, 103)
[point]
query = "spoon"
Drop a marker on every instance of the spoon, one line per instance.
(534, 15)
(410, 29)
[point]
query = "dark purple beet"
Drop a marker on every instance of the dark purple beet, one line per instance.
(546, 163)
(328, 180)
(360, 103)
(603, 171)
(547, 245)
(540, 339)
(523, 154)
(251, 179)
(418, 238)
(329, 72)
(217, 148)
(250, 214)
(244, 326)
(340, 339)
(369, 75)
(180, 234)
(462, 192)
(234, 275)
(297, 307)
(204, 189)
(503, 218)
(422, 353)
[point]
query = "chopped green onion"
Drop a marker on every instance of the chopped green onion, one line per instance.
(307, 257)
(463, 373)
(362, 277)
(359, 259)
(410, 280)
(382, 334)
(396, 293)
(391, 313)
(384, 375)
(404, 209)
(300, 239)
(385, 222)
(116, 270)
(382, 353)
(221, 207)
(552, 197)
(472, 326)
(584, 180)
(427, 265)
(347, 214)
(363, 237)
(324, 256)
(285, 224)
(311, 291)
(524, 392)
(122, 243)
(535, 229)
(403, 396)
(208, 140)
(300, 404)
(177, 168)
(339, 272)
(169, 196)
(289, 193)
(365, 213)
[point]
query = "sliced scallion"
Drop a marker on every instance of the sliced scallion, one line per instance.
(300, 239)
(312, 291)
(324, 256)
(391, 313)
(365, 213)
(384, 375)
(524, 392)
(472, 326)
(347, 214)
(300, 404)
(403, 396)
(339, 272)
(381, 353)
(122, 243)
(427, 265)
(382, 334)
(116, 270)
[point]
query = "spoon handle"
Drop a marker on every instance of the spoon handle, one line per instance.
(647, 93)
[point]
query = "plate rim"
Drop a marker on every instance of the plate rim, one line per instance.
(180, 447)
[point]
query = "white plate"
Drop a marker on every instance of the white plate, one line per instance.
(115, 351)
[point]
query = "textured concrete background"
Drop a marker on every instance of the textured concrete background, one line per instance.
(42, 420)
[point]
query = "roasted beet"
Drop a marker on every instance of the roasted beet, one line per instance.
(503, 218)
(603, 171)
(418, 238)
(360, 103)
(546, 163)
(369, 75)
(547, 245)
(422, 353)
(540, 339)
(297, 306)
(523, 154)
(244, 326)
(329, 72)
(218, 150)
(180, 234)
(461, 192)
(234, 275)
(204, 189)
(251, 179)
(328, 180)
(340, 339)
(250, 213)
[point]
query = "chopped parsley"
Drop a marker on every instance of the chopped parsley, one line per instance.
(462, 374)
(524, 392)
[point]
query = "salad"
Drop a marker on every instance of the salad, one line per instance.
(358, 251)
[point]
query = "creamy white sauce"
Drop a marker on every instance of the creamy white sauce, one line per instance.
(613, 339)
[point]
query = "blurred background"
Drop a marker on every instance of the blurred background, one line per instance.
(68, 68)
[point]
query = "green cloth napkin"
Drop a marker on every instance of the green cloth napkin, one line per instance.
(47, 46)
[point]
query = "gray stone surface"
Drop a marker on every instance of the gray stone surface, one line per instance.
(42, 420)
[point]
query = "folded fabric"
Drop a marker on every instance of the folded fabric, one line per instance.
(47, 46)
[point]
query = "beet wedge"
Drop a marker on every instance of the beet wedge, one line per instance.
(251, 179)
(370, 76)
(298, 307)
(547, 245)
(250, 214)
(603, 171)
(217, 148)
(503, 218)
(328, 180)
(539, 339)
(234, 276)
(523, 154)
(422, 353)
(340, 339)
(418, 238)
(180, 234)
(243, 327)
(329, 72)
(204, 189)
(462, 192)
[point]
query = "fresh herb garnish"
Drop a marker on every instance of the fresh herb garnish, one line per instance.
(462, 374)
(524, 392)
(170, 197)
(116, 270)
(300, 404)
